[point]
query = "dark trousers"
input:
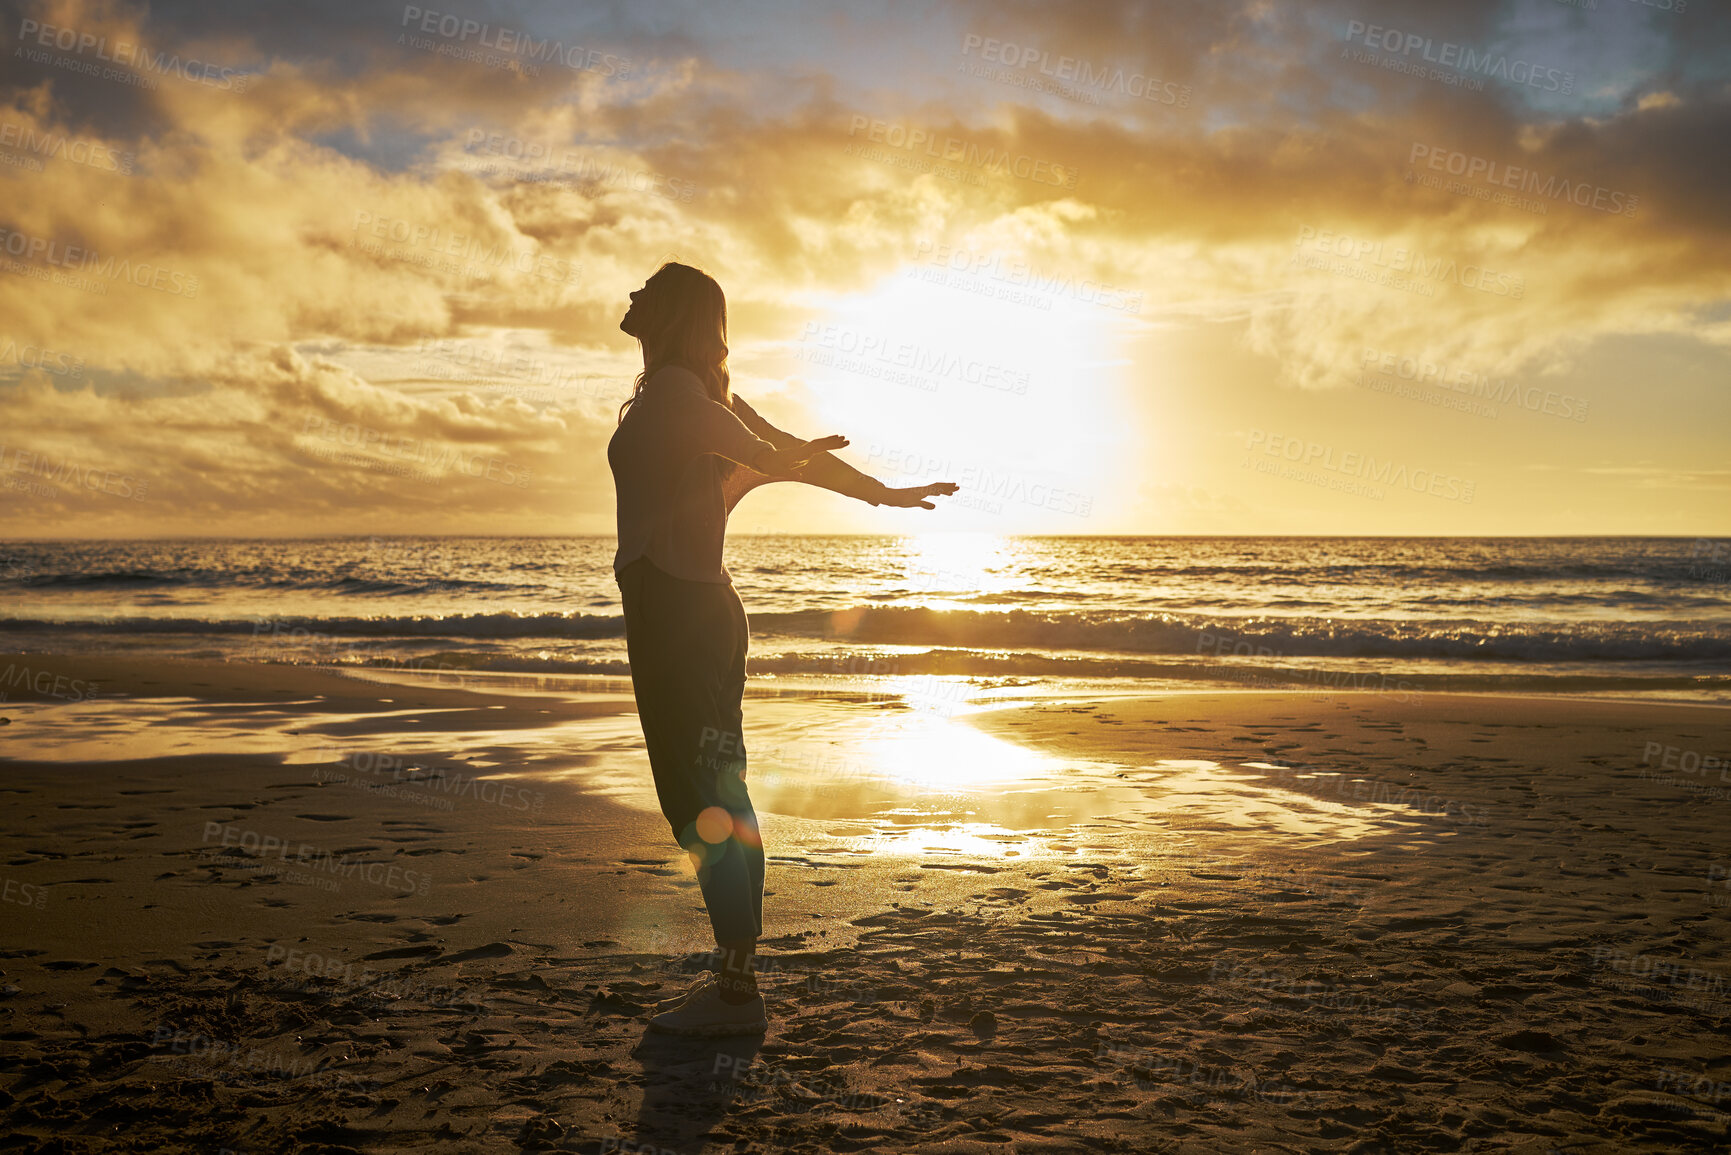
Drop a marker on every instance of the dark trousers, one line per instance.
(687, 641)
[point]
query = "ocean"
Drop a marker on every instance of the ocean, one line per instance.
(937, 615)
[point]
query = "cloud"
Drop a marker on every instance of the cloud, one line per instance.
(359, 197)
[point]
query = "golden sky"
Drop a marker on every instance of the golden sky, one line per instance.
(1226, 267)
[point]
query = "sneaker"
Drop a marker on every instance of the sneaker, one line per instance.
(705, 979)
(706, 1015)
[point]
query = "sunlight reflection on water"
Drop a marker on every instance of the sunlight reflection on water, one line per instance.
(916, 784)
(830, 775)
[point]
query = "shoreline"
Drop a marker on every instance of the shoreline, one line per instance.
(862, 684)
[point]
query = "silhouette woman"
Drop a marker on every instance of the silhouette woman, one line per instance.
(686, 450)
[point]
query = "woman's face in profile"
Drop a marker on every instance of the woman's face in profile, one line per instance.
(628, 323)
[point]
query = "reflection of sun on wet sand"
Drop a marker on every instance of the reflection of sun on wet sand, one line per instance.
(1228, 921)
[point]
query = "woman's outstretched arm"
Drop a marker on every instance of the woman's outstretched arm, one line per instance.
(825, 469)
(830, 472)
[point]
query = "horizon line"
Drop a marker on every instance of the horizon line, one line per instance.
(898, 536)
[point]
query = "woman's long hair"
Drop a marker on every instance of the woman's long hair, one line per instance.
(683, 322)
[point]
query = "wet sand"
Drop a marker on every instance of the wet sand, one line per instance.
(275, 908)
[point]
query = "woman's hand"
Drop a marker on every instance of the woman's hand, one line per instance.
(779, 462)
(917, 494)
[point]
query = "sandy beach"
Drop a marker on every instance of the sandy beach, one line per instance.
(263, 908)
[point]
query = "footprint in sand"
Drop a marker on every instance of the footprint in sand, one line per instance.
(653, 866)
(490, 950)
(421, 951)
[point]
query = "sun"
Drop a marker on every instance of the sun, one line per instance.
(1014, 396)
(943, 567)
